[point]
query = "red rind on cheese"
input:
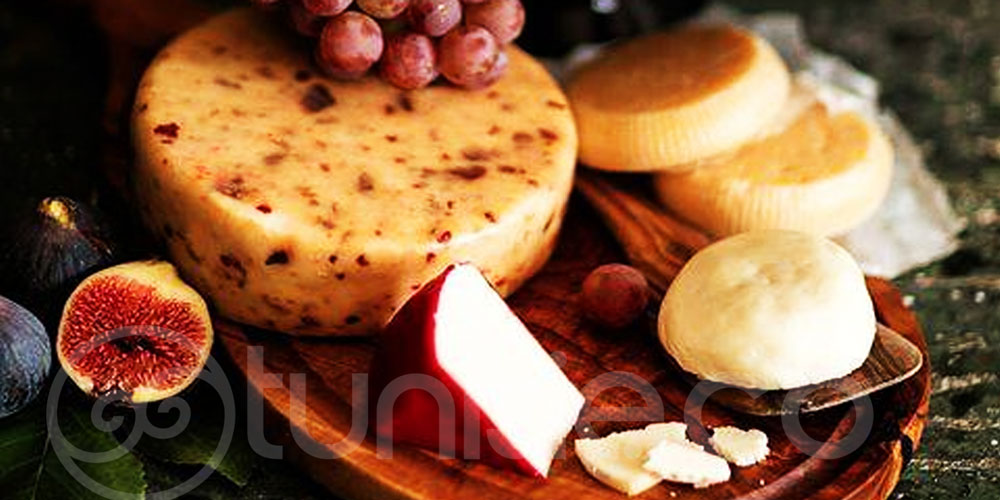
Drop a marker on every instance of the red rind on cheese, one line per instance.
(413, 345)
(416, 418)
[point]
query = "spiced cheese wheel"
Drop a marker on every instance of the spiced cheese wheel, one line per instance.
(307, 205)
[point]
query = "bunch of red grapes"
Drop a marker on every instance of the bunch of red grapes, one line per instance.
(412, 40)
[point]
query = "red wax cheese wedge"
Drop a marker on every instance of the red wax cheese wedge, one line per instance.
(458, 372)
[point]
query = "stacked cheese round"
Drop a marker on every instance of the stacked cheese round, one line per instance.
(734, 144)
(306, 205)
(811, 169)
(664, 100)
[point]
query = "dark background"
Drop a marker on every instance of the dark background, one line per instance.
(938, 61)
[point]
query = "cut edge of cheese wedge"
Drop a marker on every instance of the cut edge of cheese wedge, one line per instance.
(617, 459)
(811, 169)
(473, 324)
(739, 447)
(678, 463)
(663, 101)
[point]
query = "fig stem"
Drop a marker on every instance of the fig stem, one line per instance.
(56, 210)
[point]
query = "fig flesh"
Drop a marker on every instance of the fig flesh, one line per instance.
(25, 357)
(134, 332)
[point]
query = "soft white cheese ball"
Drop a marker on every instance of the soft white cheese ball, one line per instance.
(769, 310)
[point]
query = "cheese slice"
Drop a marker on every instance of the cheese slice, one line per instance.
(739, 447)
(678, 463)
(617, 459)
(662, 101)
(313, 206)
(812, 169)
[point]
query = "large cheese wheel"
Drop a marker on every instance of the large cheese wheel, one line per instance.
(312, 206)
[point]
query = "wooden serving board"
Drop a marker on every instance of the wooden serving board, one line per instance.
(548, 305)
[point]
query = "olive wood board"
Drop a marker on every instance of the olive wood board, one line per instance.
(548, 306)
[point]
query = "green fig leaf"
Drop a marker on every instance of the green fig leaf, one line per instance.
(32, 461)
(203, 440)
(197, 445)
(163, 475)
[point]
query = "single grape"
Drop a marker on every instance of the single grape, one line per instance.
(614, 295)
(504, 18)
(498, 70)
(468, 56)
(434, 17)
(410, 61)
(349, 45)
(304, 22)
(326, 8)
(384, 9)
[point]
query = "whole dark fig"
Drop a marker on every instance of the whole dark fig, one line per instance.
(51, 250)
(25, 357)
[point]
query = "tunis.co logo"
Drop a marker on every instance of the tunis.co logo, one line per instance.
(71, 456)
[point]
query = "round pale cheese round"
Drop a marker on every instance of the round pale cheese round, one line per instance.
(813, 170)
(665, 100)
(313, 206)
(769, 310)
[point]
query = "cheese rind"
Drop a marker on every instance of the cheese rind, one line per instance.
(739, 447)
(312, 206)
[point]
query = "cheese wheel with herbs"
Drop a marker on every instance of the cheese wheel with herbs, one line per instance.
(307, 205)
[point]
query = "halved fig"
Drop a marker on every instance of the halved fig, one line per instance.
(134, 332)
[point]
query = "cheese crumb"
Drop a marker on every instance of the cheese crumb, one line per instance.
(742, 448)
(672, 431)
(680, 463)
(617, 459)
